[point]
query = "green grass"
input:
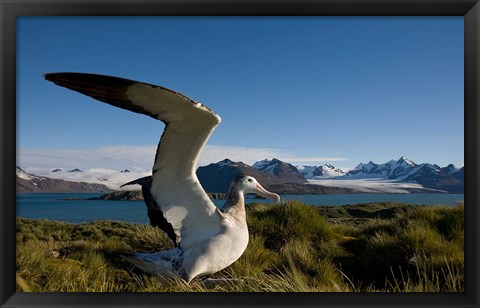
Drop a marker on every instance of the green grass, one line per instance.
(378, 247)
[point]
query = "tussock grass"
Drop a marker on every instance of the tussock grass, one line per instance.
(423, 245)
(289, 221)
(293, 248)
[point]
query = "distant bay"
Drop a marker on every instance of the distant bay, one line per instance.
(53, 206)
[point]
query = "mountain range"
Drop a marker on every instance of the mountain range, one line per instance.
(449, 178)
(276, 176)
(430, 176)
(27, 182)
(281, 177)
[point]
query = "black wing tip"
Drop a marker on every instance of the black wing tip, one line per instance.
(146, 180)
(63, 78)
(72, 76)
(59, 75)
(52, 76)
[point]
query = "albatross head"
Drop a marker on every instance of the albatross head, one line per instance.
(249, 185)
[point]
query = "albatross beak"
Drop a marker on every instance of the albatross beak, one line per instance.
(267, 194)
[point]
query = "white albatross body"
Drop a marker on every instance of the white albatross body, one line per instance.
(205, 257)
(207, 239)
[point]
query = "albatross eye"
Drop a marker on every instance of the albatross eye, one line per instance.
(250, 180)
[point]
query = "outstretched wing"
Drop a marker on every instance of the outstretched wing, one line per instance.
(189, 124)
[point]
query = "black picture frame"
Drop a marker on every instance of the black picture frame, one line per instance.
(11, 9)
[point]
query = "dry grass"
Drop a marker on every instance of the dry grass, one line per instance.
(293, 248)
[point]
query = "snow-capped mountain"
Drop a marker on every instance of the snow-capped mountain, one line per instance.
(280, 169)
(433, 176)
(317, 172)
(22, 174)
(394, 169)
(449, 178)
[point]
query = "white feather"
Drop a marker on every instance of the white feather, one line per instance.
(175, 186)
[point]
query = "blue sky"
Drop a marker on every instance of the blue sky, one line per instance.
(310, 90)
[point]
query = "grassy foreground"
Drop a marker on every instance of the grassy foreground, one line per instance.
(377, 247)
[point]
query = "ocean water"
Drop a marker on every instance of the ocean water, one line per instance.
(53, 206)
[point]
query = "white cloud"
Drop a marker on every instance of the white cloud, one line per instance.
(140, 158)
(215, 153)
(134, 158)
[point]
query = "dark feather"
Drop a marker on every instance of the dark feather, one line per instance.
(153, 210)
(108, 89)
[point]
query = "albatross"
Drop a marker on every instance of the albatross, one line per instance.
(206, 239)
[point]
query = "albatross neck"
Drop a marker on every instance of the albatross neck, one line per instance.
(235, 204)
